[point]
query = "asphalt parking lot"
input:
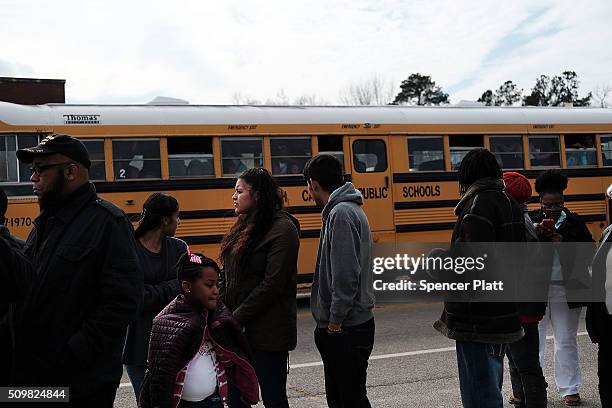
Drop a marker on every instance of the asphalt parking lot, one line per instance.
(412, 365)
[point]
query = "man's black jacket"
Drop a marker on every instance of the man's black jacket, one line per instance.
(81, 283)
(486, 214)
(5, 291)
(7, 311)
(598, 319)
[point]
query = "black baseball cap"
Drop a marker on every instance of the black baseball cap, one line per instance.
(57, 144)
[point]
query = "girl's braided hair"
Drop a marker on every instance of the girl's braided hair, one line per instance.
(190, 265)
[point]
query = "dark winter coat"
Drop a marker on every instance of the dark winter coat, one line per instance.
(176, 336)
(5, 292)
(11, 239)
(574, 264)
(7, 312)
(82, 286)
(531, 312)
(597, 316)
(485, 214)
(160, 288)
(262, 292)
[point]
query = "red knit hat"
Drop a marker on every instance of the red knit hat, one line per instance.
(517, 186)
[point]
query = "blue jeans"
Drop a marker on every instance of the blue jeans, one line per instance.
(481, 374)
(271, 370)
(214, 401)
(136, 374)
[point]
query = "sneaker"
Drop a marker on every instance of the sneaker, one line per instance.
(571, 400)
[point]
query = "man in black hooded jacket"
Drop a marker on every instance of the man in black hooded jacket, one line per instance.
(486, 214)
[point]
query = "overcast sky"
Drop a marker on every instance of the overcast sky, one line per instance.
(205, 51)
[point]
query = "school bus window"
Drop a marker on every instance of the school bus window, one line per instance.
(508, 151)
(369, 156)
(136, 159)
(331, 145)
(97, 171)
(8, 159)
(606, 150)
(190, 157)
(460, 146)
(240, 154)
(544, 151)
(11, 170)
(289, 155)
(580, 150)
(425, 153)
(22, 142)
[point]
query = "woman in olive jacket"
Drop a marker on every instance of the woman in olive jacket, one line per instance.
(259, 281)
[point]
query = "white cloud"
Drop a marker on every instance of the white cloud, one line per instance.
(204, 51)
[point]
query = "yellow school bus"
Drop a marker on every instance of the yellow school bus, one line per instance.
(401, 158)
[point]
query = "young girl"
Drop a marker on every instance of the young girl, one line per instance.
(195, 345)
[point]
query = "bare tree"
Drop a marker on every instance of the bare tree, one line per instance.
(309, 99)
(281, 98)
(238, 98)
(602, 95)
(372, 91)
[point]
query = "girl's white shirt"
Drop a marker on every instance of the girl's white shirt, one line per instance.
(201, 375)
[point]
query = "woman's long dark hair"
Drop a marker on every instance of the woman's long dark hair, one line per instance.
(154, 210)
(250, 228)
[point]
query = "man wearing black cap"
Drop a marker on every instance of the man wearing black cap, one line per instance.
(78, 277)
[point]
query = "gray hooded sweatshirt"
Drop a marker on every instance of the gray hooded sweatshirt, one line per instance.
(342, 287)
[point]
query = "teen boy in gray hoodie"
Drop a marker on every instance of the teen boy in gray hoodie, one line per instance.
(342, 296)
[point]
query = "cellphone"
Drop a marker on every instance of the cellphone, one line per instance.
(548, 223)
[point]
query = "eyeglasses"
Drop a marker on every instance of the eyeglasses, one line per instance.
(552, 206)
(38, 170)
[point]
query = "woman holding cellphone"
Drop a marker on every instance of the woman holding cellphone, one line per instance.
(556, 224)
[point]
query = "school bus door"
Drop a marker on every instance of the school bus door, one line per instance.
(371, 174)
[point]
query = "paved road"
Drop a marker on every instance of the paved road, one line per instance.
(412, 365)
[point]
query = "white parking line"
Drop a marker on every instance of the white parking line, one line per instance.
(382, 356)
